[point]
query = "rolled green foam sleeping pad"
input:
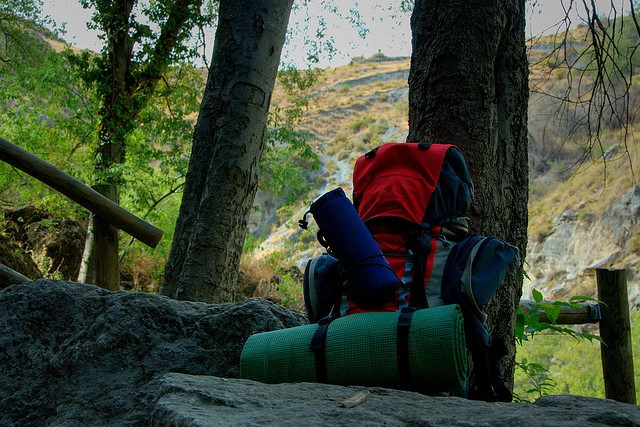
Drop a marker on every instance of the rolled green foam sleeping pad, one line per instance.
(361, 349)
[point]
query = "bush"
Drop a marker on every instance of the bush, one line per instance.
(360, 123)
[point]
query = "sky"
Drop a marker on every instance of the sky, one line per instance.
(391, 37)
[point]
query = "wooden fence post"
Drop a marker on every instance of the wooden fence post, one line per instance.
(105, 246)
(615, 331)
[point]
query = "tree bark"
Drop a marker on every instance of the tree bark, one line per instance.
(468, 85)
(86, 274)
(228, 143)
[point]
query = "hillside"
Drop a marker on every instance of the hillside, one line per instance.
(582, 215)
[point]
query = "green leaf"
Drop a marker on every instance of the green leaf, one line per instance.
(519, 325)
(537, 296)
(553, 312)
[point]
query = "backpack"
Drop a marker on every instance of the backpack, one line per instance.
(414, 199)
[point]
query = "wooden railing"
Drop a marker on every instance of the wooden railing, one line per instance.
(101, 206)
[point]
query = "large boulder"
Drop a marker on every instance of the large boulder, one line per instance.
(77, 354)
(74, 354)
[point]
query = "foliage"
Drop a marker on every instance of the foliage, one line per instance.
(141, 42)
(541, 316)
(146, 268)
(54, 122)
(159, 150)
(251, 243)
(290, 290)
(361, 123)
(287, 154)
(574, 365)
(537, 377)
(539, 319)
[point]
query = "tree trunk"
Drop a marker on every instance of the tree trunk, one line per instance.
(117, 113)
(125, 88)
(468, 86)
(228, 142)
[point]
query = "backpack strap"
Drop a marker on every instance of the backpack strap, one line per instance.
(421, 248)
(403, 326)
(319, 347)
(309, 290)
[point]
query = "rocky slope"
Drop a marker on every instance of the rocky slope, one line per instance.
(578, 242)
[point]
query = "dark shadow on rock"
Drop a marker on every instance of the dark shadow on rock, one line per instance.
(75, 354)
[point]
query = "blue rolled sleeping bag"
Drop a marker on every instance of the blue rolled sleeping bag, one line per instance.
(344, 234)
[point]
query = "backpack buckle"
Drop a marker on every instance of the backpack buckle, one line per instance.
(371, 154)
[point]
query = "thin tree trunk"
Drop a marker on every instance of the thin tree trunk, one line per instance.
(86, 274)
(228, 142)
(117, 114)
(468, 86)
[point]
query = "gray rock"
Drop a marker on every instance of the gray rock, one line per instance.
(186, 400)
(77, 355)
(624, 215)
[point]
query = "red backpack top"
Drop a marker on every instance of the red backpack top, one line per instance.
(421, 183)
(412, 197)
